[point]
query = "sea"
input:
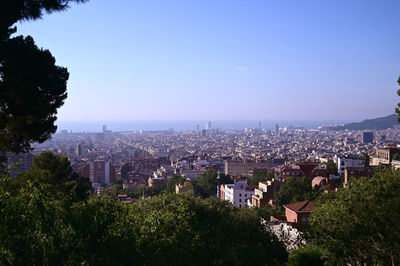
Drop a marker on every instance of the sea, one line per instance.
(153, 125)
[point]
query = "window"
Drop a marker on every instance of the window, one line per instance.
(245, 195)
(240, 194)
(240, 200)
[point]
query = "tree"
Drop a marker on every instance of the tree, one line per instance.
(56, 173)
(36, 229)
(179, 230)
(206, 184)
(266, 212)
(306, 255)
(332, 168)
(366, 159)
(295, 190)
(360, 225)
(396, 156)
(12, 11)
(30, 229)
(398, 105)
(174, 180)
(259, 176)
(32, 87)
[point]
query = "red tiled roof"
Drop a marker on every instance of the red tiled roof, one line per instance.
(304, 206)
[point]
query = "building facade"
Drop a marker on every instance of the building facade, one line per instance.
(238, 193)
(367, 137)
(349, 161)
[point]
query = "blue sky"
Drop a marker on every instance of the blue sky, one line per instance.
(225, 59)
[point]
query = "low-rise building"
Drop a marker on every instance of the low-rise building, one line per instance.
(356, 172)
(237, 193)
(157, 182)
(348, 161)
(385, 156)
(245, 167)
(264, 194)
(298, 213)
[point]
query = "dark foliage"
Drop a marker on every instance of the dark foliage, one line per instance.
(360, 225)
(206, 184)
(260, 176)
(332, 167)
(12, 11)
(398, 105)
(307, 255)
(55, 172)
(295, 190)
(165, 230)
(174, 180)
(32, 87)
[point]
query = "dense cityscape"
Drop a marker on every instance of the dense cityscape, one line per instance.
(154, 183)
(150, 158)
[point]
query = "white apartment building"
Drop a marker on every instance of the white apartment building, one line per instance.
(237, 193)
(345, 162)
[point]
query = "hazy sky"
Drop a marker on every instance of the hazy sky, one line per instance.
(247, 59)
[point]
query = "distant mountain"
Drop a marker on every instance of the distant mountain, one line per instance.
(386, 122)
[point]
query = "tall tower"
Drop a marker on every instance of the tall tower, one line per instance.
(218, 186)
(208, 125)
(277, 129)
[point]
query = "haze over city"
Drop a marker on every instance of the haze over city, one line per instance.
(225, 60)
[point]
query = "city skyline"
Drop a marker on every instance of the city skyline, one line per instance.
(135, 125)
(226, 60)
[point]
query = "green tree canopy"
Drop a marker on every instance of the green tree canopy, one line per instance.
(360, 225)
(260, 176)
(306, 255)
(56, 173)
(180, 230)
(398, 105)
(332, 167)
(294, 190)
(206, 184)
(366, 159)
(174, 180)
(165, 230)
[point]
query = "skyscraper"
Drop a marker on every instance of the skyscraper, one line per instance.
(208, 125)
(276, 128)
(81, 149)
(367, 137)
(104, 128)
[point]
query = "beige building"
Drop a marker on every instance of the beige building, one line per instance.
(264, 194)
(384, 156)
(245, 167)
(187, 187)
